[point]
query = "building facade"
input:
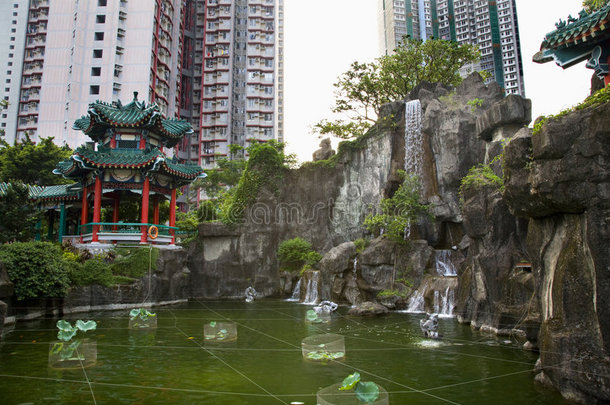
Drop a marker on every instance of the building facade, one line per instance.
(217, 64)
(232, 76)
(492, 25)
(76, 52)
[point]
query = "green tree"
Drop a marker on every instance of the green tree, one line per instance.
(19, 215)
(593, 5)
(363, 89)
(32, 163)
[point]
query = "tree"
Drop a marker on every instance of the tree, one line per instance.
(19, 215)
(363, 89)
(32, 163)
(593, 5)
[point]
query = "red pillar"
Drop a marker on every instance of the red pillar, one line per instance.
(115, 212)
(156, 209)
(113, 141)
(144, 220)
(84, 213)
(172, 215)
(142, 144)
(97, 207)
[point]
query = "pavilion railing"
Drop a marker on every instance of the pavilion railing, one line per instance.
(124, 228)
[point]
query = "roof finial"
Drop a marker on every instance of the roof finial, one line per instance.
(135, 96)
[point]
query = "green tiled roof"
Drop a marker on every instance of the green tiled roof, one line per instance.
(84, 159)
(33, 190)
(136, 114)
(60, 192)
(579, 30)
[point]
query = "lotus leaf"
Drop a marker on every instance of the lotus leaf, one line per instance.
(367, 392)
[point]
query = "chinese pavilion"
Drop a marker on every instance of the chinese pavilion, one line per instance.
(584, 38)
(128, 160)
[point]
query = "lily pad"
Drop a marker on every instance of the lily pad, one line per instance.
(350, 381)
(367, 392)
(85, 326)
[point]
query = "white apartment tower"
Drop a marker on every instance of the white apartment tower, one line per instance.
(492, 25)
(233, 68)
(78, 51)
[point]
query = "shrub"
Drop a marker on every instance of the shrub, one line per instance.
(36, 269)
(134, 262)
(397, 212)
(93, 271)
(295, 253)
(361, 244)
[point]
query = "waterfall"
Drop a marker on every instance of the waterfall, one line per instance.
(413, 138)
(444, 303)
(311, 292)
(413, 145)
(444, 265)
(355, 268)
(416, 302)
(296, 293)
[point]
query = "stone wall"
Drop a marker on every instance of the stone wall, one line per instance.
(559, 180)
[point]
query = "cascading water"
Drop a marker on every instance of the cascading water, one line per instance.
(416, 302)
(355, 269)
(444, 265)
(296, 293)
(444, 302)
(413, 144)
(311, 291)
(413, 138)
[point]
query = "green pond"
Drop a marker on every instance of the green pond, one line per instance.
(264, 365)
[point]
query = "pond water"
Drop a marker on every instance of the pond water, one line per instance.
(174, 364)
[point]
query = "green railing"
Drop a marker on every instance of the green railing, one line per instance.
(124, 227)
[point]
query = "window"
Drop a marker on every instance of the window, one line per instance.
(8, 72)
(96, 71)
(101, 3)
(99, 36)
(100, 19)
(15, 5)
(11, 47)
(94, 89)
(13, 29)
(8, 80)
(14, 22)
(97, 53)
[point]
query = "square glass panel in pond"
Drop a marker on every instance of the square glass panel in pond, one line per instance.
(220, 332)
(323, 348)
(140, 318)
(331, 395)
(72, 354)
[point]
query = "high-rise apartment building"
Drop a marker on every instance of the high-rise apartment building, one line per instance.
(76, 52)
(232, 75)
(492, 25)
(216, 63)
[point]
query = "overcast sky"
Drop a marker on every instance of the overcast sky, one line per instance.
(323, 37)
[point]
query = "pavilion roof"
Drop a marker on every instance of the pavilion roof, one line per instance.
(33, 190)
(584, 31)
(102, 116)
(84, 159)
(60, 192)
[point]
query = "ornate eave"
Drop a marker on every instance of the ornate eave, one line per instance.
(135, 115)
(578, 39)
(84, 160)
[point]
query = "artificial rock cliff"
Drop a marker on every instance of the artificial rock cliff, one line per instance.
(559, 180)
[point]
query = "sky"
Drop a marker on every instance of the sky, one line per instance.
(323, 37)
